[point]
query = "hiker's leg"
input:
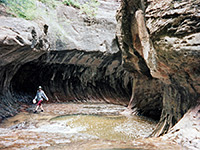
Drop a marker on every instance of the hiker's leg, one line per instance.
(41, 108)
(37, 107)
(39, 103)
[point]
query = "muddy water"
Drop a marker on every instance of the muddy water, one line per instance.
(75, 127)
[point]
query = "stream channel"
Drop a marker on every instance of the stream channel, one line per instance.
(74, 127)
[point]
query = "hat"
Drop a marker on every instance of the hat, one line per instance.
(39, 87)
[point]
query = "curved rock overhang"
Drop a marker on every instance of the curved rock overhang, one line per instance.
(71, 75)
(76, 76)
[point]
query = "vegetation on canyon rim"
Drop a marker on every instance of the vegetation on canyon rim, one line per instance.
(46, 11)
(34, 9)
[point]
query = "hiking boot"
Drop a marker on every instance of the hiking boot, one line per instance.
(35, 111)
(42, 110)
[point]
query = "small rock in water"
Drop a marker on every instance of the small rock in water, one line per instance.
(22, 125)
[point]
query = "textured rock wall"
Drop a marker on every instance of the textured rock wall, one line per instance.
(20, 42)
(70, 28)
(68, 75)
(75, 75)
(80, 76)
(159, 43)
(165, 36)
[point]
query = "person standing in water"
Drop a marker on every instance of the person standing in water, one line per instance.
(39, 97)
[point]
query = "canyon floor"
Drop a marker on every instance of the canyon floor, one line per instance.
(80, 127)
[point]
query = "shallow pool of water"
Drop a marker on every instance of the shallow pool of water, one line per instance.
(113, 127)
(74, 127)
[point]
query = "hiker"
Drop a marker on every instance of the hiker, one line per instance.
(39, 97)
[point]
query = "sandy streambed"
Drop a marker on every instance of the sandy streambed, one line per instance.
(78, 127)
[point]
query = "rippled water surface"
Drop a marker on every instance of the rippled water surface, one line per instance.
(105, 127)
(74, 126)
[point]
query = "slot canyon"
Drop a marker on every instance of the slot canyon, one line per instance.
(134, 57)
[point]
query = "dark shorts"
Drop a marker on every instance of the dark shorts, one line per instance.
(39, 103)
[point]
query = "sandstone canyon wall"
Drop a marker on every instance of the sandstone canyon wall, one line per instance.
(165, 35)
(82, 65)
(153, 60)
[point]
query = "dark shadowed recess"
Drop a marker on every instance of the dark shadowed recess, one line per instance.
(76, 76)
(79, 76)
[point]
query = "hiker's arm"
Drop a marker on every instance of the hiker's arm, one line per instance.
(44, 96)
(35, 97)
